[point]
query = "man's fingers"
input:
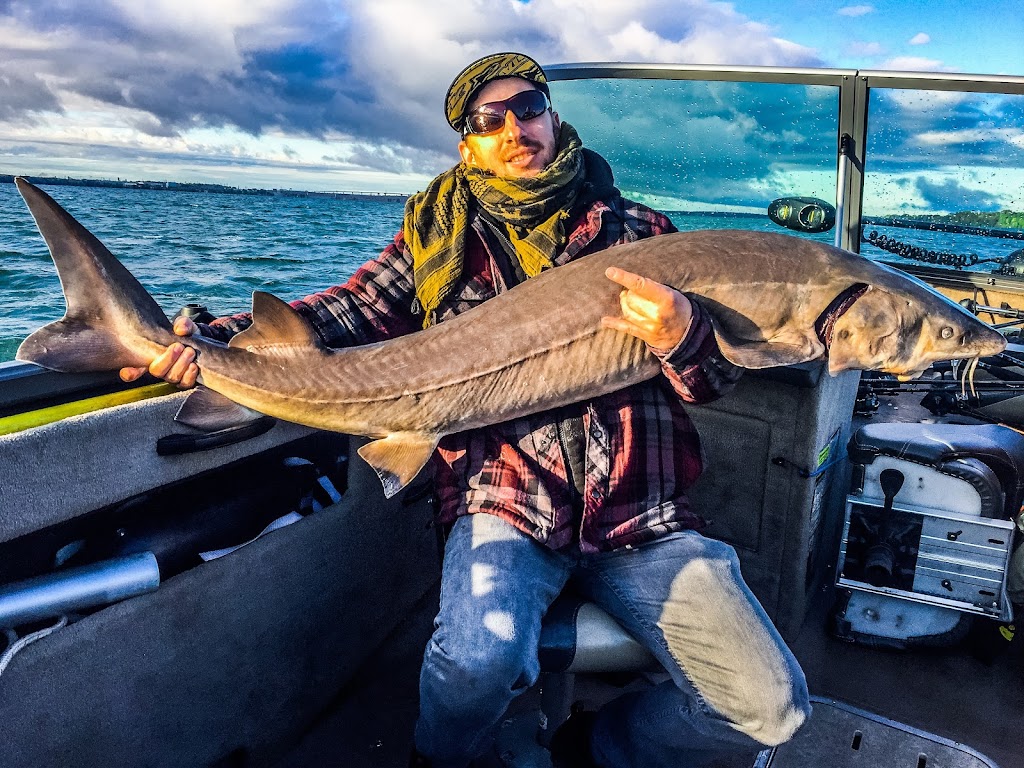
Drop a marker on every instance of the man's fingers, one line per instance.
(176, 365)
(661, 320)
(188, 379)
(624, 325)
(628, 280)
(616, 323)
(180, 369)
(636, 307)
(631, 281)
(184, 326)
(173, 364)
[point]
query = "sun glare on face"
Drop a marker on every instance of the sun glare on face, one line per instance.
(521, 148)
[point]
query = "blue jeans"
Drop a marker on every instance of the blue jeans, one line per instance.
(734, 683)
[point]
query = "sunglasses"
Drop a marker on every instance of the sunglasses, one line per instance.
(490, 117)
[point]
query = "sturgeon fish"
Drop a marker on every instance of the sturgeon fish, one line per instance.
(535, 347)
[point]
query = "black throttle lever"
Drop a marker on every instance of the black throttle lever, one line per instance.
(880, 560)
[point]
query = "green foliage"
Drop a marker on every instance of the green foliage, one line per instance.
(1000, 219)
(1010, 220)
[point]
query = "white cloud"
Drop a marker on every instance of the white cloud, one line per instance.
(915, 64)
(353, 73)
(909, 192)
(408, 74)
(859, 48)
(1014, 136)
(17, 39)
(856, 10)
(699, 32)
(926, 102)
(920, 38)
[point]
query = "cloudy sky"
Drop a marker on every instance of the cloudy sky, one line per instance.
(346, 94)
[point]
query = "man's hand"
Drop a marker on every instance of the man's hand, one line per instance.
(177, 364)
(655, 313)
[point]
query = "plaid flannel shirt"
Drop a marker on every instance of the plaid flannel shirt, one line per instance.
(641, 450)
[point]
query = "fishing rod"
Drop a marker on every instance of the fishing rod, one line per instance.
(975, 308)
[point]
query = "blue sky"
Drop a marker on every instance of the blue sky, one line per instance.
(346, 94)
(955, 35)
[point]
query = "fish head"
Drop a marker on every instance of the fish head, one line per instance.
(950, 332)
(904, 332)
(867, 335)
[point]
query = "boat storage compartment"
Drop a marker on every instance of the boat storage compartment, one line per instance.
(775, 480)
(228, 661)
(930, 517)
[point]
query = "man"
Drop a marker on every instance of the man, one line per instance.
(595, 492)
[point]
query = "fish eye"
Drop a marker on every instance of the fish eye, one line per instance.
(946, 332)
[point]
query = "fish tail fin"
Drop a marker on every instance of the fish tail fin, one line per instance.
(111, 321)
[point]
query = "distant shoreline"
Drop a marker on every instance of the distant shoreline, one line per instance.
(184, 186)
(993, 224)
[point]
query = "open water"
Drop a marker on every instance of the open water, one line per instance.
(216, 249)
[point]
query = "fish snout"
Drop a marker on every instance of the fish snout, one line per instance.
(982, 341)
(957, 338)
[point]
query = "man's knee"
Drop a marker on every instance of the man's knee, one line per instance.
(778, 723)
(482, 666)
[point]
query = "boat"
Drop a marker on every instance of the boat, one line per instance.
(292, 601)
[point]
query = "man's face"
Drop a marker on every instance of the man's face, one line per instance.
(521, 148)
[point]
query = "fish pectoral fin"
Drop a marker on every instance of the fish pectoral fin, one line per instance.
(276, 326)
(209, 411)
(768, 354)
(398, 458)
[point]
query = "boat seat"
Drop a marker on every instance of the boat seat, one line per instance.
(989, 457)
(579, 637)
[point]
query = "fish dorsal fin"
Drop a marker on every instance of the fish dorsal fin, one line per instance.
(275, 326)
(209, 411)
(398, 458)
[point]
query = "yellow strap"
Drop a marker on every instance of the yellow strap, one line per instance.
(37, 418)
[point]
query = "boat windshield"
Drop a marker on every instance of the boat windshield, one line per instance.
(921, 170)
(713, 154)
(944, 180)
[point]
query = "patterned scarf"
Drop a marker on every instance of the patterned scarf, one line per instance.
(533, 210)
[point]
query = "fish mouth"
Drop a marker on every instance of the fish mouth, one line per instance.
(909, 376)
